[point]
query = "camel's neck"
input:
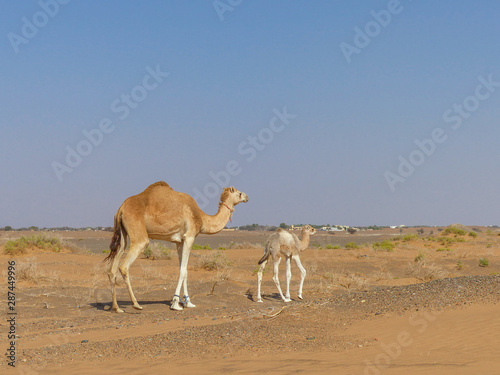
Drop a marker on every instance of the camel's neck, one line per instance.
(304, 242)
(215, 223)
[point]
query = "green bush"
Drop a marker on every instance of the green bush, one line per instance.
(409, 237)
(351, 245)
(444, 249)
(483, 262)
(454, 230)
(385, 245)
(39, 241)
(473, 234)
(330, 246)
(200, 247)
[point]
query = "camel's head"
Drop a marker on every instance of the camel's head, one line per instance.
(309, 229)
(231, 195)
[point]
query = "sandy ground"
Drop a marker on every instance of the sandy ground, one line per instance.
(364, 311)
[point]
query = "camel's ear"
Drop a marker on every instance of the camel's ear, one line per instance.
(231, 189)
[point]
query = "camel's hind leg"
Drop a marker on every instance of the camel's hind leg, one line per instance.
(276, 278)
(302, 273)
(112, 277)
(259, 279)
(136, 248)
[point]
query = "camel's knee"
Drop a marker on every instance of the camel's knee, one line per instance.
(183, 274)
(276, 280)
(124, 271)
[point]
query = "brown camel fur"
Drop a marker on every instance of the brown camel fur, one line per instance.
(283, 243)
(161, 213)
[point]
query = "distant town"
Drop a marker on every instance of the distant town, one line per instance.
(250, 227)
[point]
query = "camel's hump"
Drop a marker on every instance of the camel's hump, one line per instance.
(157, 184)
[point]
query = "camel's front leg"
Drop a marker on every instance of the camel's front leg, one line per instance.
(302, 274)
(183, 251)
(288, 278)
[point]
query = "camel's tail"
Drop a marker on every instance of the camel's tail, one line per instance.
(267, 253)
(119, 233)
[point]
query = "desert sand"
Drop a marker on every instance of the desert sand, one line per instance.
(365, 311)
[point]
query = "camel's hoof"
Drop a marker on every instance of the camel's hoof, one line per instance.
(300, 296)
(259, 300)
(189, 304)
(176, 307)
(138, 307)
(118, 310)
(287, 300)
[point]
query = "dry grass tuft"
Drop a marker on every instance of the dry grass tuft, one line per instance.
(348, 280)
(243, 245)
(156, 250)
(425, 271)
(213, 261)
(28, 270)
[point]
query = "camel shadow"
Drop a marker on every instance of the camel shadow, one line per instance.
(106, 306)
(273, 297)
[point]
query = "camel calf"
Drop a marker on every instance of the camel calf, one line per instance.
(283, 243)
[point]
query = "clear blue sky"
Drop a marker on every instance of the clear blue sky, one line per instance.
(360, 82)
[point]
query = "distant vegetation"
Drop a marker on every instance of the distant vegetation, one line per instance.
(8, 228)
(40, 241)
(252, 227)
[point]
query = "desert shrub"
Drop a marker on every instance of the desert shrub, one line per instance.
(460, 265)
(40, 241)
(385, 245)
(317, 245)
(444, 249)
(425, 271)
(351, 245)
(483, 262)
(200, 247)
(473, 234)
(156, 250)
(446, 241)
(213, 261)
(243, 245)
(454, 230)
(27, 270)
(420, 257)
(330, 246)
(409, 237)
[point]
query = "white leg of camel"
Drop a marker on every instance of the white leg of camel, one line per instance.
(183, 262)
(276, 278)
(259, 280)
(302, 273)
(288, 278)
